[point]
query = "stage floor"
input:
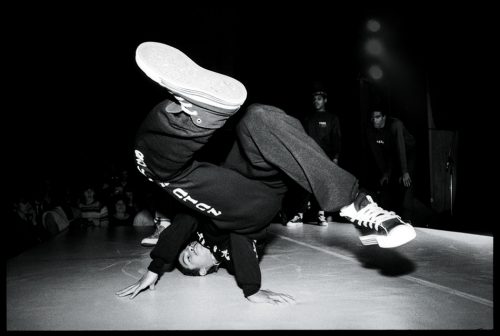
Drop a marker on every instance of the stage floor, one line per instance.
(440, 280)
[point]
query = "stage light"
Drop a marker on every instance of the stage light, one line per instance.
(375, 72)
(373, 25)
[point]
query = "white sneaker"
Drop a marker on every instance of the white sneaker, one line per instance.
(161, 224)
(295, 221)
(376, 225)
(322, 220)
(210, 98)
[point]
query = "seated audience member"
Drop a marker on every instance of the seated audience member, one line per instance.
(118, 212)
(62, 212)
(132, 205)
(23, 231)
(93, 212)
(55, 220)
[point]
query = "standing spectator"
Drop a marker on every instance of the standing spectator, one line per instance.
(324, 127)
(394, 150)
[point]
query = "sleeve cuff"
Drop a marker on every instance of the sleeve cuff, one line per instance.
(250, 290)
(156, 266)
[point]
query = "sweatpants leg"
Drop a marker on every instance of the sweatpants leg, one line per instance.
(272, 139)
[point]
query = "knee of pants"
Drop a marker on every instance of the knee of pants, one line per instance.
(259, 113)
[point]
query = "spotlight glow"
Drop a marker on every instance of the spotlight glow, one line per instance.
(373, 25)
(375, 72)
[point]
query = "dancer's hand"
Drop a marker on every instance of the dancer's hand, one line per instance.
(148, 280)
(266, 296)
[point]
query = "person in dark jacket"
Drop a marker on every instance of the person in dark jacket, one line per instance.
(394, 150)
(324, 127)
(270, 149)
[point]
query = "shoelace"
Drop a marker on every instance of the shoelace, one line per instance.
(185, 105)
(373, 214)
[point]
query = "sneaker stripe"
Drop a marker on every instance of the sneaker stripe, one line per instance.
(369, 240)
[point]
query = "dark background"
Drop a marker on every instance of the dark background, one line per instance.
(78, 97)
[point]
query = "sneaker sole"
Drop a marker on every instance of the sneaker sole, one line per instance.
(398, 236)
(174, 70)
(294, 224)
(146, 244)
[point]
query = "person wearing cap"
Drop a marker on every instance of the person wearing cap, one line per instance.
(271, 148)
(324, 127)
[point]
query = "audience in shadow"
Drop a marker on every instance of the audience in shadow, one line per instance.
(119, 214)
(24, 231)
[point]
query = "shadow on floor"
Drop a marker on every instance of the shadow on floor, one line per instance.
(388, 262)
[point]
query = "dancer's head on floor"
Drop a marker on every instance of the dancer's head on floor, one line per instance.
(196, 260)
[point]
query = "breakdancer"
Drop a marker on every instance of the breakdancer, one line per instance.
(229, 206)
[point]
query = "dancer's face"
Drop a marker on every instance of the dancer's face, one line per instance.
(196, 256)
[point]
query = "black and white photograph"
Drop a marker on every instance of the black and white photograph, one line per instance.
(252, 166)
